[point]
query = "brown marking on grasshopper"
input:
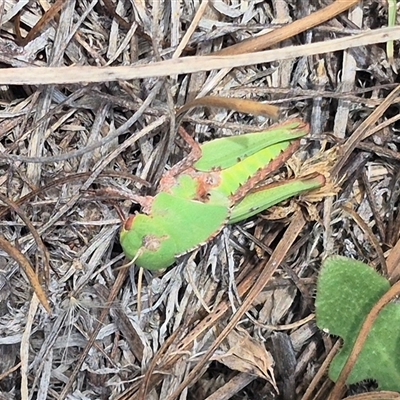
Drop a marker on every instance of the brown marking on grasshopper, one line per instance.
(153, 243)
(205, 183)
(129, 222)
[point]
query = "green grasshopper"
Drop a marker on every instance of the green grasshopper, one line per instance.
(212, 187)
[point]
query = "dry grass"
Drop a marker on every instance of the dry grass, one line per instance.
(72, 153)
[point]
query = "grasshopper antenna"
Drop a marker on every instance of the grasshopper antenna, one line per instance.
(139, 294)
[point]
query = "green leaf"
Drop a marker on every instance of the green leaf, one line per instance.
(346, 292)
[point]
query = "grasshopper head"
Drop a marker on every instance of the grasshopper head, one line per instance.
(144, 240)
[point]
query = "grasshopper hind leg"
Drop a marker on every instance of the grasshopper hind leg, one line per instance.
(186, 163)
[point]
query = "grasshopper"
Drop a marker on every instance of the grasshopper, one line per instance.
(212, 187)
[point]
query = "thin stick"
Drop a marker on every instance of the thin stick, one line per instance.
(185, 65)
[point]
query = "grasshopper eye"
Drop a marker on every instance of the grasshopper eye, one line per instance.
(129, 222)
